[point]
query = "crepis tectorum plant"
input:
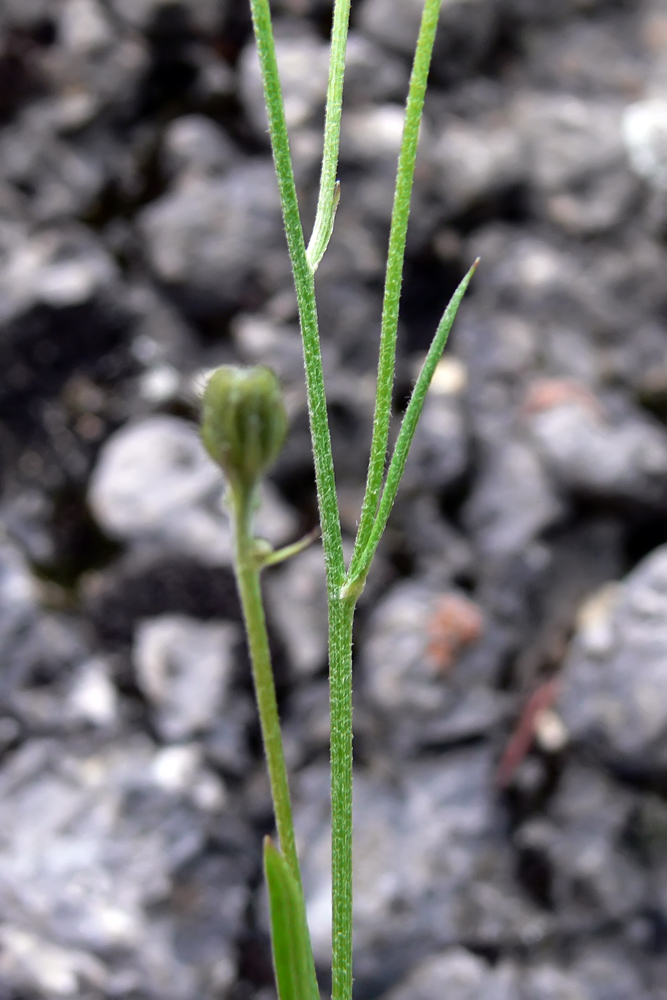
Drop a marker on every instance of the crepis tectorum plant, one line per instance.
(243, 428)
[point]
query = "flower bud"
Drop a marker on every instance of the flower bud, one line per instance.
(243, 423)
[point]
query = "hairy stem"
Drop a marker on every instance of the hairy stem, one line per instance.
(305, 292)
(341, 616)
(247, 576)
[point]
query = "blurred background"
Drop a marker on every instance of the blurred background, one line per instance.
(511, 645)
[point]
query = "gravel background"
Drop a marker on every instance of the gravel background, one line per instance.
(511, 646)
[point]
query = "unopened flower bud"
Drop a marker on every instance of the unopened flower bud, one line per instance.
(243, 423)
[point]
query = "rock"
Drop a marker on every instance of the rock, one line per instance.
(206, 15)
(66, 318)
(614, 686)
(542, 279)
(16, 13)
(421, 667)
(178, 770)
(227, 742)
(467, 32)
(184, 668)
(600, 975)
(149, 582)
(457, 975)
(93, 696)
(108, 845)
(30, 962)
(513, 501)
(49, 679)
(303, 62)
(56, 268)
(533, 10)
(196, 145)
(260, 340)
(213, 239)
(592, 878)
(606, 974)
(371, 134)
(297, 596)
(473, 163)
(61, 686)
(593, 456)
(587, 56)
(441, 554)
(66, 179)
(154, 480)
(576, 162)
(18, 606)
(84, 27)
(372, 76)
(307, 723)
(645, 135)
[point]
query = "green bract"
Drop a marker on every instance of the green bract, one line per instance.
(244, 423)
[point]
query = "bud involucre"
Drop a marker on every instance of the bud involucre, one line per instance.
(244, 423)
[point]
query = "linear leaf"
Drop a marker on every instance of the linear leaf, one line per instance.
(356, 578)
(292, 953)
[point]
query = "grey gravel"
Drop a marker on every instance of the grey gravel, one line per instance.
(513, 501)
(194, 144)
(457, 975)
(614, 677)
(426, 687)
(474, 162)
(297, 599)
(53, 267)
(595, 877)
(184, 668)
(155, 480)
(211, 238)
(140, 245)
(576, 162)
(590, 455)
(439, 453)
(111, 834)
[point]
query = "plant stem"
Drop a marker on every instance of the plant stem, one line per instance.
(341, 612)
(341, 616)
(394, 276)
(247, 576)
(305, 292)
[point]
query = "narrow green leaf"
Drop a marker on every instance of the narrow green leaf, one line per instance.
(356, 578)
(292, 953)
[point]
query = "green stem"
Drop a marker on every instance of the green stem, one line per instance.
(341, 616)
(305, 293)
(394, 277)
(340, 612)
(247, 576)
